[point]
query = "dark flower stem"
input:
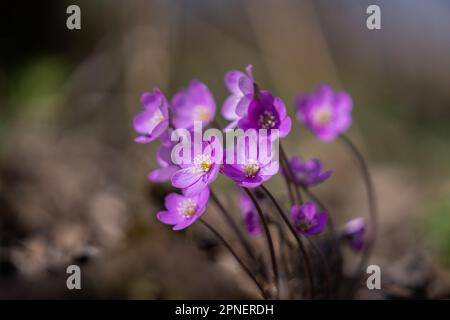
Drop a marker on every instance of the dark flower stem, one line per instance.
(325, 264)
(288, 185)
(290, 174)
(336, 246)
(309, 273)
(233, 253)
(373, 211)
(283, 265)
(234, 226)
(269, 239)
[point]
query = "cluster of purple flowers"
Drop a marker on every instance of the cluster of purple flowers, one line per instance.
(325, 112)
(248, 107)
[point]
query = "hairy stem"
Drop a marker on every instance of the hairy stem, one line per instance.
(309, 273)
(269, 239)
(234, 226)
(290, 175)
(325, 264)
(373, 211)
(236, 256)
(337, 249)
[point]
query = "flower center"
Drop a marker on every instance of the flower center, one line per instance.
(251, 168)
(203, 163)
(267, 120)
(157, 117)
(187, 208)
(322, 116)
(201, 113)
(304, 224)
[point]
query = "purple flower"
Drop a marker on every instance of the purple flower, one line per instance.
(183, 211)
(252, 164)
(241, 87)
(151, 122)
(266, 112)
(325, 112)
(166, 167)
(307, 173)
(354, 232)
(195, 103)
(201, 171)
(251, 218)
(307, 220)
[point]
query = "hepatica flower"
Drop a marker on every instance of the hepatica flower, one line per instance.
(325, 112)
(196, 103)
(251, 165)
(166, 167)
(241, 87)
(307, 220)
(250, 216)
(201, 170)
(307, 173)
(354, 232)
(151, 122)
(182, 211)
(266, 112)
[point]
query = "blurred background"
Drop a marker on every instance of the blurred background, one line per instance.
(73, 187)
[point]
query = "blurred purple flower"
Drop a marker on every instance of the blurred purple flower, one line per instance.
(251, 218)
(241, 88)
(195, 103)
(251, 166)
(354, 232)
(183, 211)
(266, 112)
(307, 173)
(201, 171)
(151, 122)
(325, 112)
(307, 220)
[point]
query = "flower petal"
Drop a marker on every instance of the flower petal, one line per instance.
(162, 174)
(185, 177)
(321, 220)
(144, 139)
(233, 172)
(229, 107)
(151, 101)
(172, 200)
(169, 217)
(195, 188)
(246, 85)
(285, 127)
(280, 107)
(142, 122)
(232, 80)
(309, 210)
(203, 198)
(243, 105)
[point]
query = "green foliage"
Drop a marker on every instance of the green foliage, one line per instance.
(437, 229)
(36, 91)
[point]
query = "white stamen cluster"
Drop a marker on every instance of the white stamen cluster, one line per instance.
(157, 117)
(201, 113)
(186, 208)
(267, 120)
(202, 163)
(251, 168)
(322, 116)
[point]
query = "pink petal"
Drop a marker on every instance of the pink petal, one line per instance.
(169, 217)
(186, 177)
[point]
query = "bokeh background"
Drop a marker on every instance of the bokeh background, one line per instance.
(73, 185)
